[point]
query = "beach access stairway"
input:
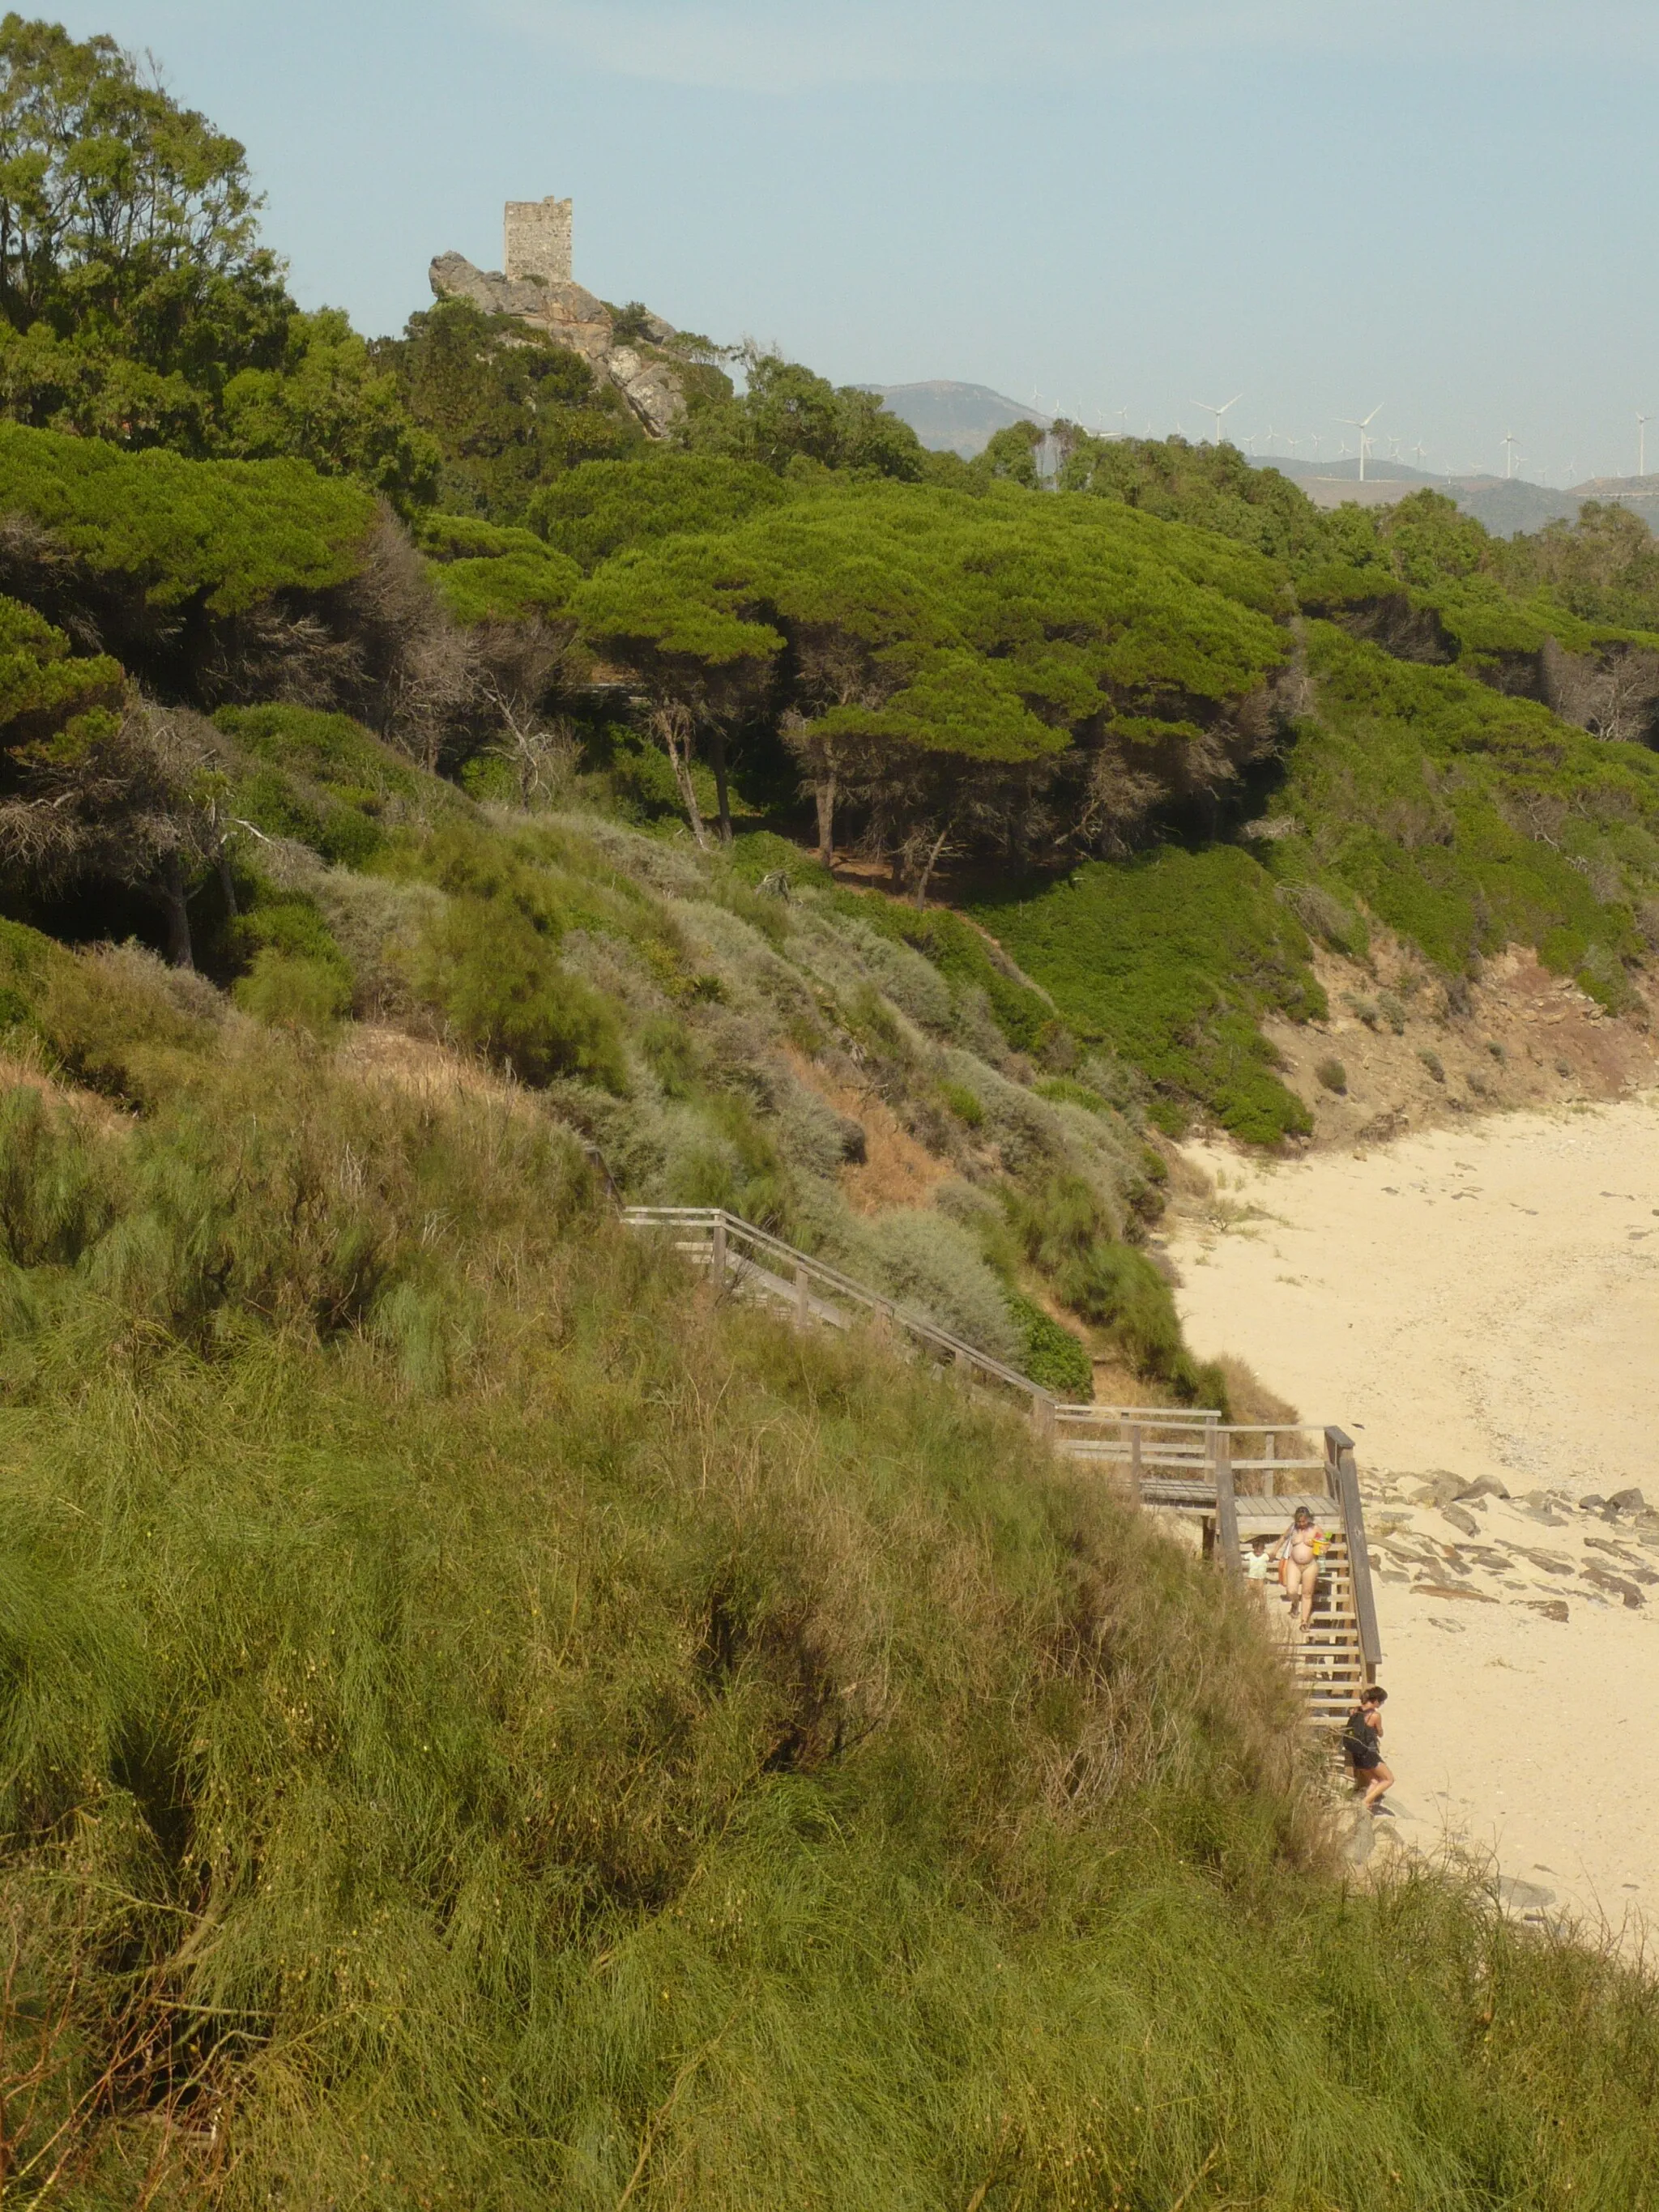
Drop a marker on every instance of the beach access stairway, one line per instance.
(1241, 1481)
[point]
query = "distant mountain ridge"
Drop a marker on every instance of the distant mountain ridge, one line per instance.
(958, 418)
(950, 415)
(1506, 506)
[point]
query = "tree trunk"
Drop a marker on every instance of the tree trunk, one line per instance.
(177, 913)
(227, 883)
(823, 795)
(679, 755)
(930, 863)
(717, 762)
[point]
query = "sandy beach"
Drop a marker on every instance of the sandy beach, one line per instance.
(1481, 1301)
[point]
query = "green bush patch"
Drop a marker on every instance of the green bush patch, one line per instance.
(1169, 958)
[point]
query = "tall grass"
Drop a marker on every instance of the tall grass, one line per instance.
(640, 1756)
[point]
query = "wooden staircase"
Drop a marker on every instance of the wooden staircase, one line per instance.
(1327, 1657)
(1239, 1480)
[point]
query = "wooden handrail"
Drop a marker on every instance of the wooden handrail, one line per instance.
(1345, 1487)
(800, 1273)
(1180, 1456)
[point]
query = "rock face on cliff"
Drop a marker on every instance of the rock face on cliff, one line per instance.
(573, 317)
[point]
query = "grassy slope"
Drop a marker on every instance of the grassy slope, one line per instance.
(481, 1729)
(1168, 959)
(717, 1043)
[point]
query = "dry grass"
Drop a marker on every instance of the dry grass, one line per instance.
(536, 1737)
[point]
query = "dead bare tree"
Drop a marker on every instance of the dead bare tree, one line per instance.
(130, 799)
(542, 754)
(1613, 695)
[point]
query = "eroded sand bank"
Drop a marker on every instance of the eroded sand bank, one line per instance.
(1483, 1301)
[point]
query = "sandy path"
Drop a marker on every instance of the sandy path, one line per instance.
(1483, 1301)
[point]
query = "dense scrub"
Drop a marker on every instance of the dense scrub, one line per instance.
(482, 1727)
(720, 1043)
(1168, 959)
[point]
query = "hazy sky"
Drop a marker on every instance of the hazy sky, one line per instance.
(1449, 208)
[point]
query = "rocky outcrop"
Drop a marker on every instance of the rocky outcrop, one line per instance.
(572, 316)
(650, 386)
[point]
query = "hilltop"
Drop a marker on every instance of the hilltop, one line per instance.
(951, 417)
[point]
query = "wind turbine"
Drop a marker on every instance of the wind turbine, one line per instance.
(1510, 441)
(1420, 452)
(1204, 408)
(1364, 430)
(1641, 445)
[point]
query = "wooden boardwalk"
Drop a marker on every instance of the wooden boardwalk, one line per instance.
(1241, 1481)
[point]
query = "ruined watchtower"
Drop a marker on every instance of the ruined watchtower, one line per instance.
(539, 240)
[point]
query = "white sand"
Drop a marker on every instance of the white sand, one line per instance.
(1482, 1300)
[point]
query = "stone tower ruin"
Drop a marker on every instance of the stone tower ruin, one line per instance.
(539, 241)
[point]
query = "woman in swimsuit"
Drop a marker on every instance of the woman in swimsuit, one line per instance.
(1361, 1742)
(1298, 1560)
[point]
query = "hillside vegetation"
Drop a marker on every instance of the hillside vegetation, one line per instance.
(481, 1723)
(484, 1727)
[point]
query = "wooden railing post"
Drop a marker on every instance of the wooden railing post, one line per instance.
(717, 1252)
(1134, 1454)
(1227, 1501)
(1043, 1415)
(803, 1313)
(1345, 1486)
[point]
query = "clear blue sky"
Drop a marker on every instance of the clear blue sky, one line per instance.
(1121, 203)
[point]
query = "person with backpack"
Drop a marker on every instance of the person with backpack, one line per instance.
(1362, 1747)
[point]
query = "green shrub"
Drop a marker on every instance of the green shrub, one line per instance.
(965, 958)
(117, 1023)
(287, 927)
(287, 992)
(1120, 1289)
(498, 981)
(328, 749)
(756, 854)
(1169, 958)
(1051, 1354)
(666, 1048)
(962, 1103)
(1433, 1063)
(27, 958)
(56, 1200)
(324, 779)
(1332, 1073)
(1065, 1091)
(932, 1264)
